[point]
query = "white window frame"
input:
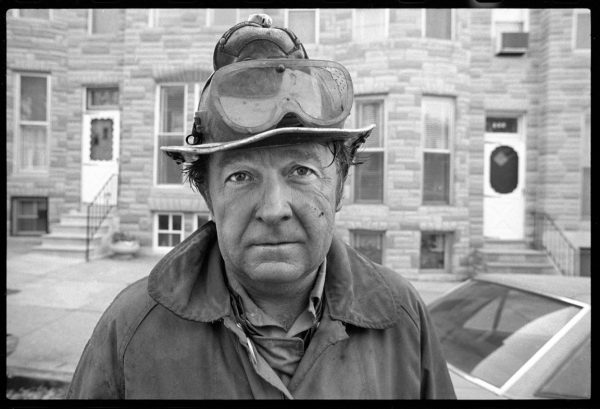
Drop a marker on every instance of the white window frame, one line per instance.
(155, 231)
(386, 30)
(448, 241)
(157, 131)
(574, 32)
(452, 26)
(381, 233)
(210, 17)
(449, 150)
(585, 150)
(286, 20)
(497, 18)
(18, 122)
(366, 99)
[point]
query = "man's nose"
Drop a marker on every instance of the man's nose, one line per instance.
(274, 206)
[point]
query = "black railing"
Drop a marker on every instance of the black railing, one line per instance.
(98, 209)
(549, 237)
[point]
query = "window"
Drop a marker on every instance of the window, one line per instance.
(368, 177)
(368, 243)
(370, 25)
(510, 29)
(200, 220)
(222, 17)
(169, 229)
(582, 39)
(43, 14)
(304, 23)
(438, 23)
(32, 122)
(586, 163)
(438, 134)
(102, 98)
(104, 21)
(29, 216)
(490, 331)
(435, 249)
(171, 123)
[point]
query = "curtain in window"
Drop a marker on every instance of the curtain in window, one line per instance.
(583, 32)
(371, 113)
(437, 124)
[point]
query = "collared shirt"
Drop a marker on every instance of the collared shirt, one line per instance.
(282, 349)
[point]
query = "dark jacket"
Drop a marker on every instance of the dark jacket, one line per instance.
(171, 336)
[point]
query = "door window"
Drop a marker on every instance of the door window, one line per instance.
(504, 169)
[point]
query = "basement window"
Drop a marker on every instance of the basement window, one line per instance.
(435, 252)
(29, 216)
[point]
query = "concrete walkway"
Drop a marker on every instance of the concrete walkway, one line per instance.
(54, 303)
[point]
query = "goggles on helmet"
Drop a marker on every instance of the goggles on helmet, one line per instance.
(254, 96)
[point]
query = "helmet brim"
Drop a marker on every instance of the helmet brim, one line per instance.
(272, 137)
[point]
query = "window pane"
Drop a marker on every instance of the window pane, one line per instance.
(164, 240)
(438, 23)
(33, 147)
(368, 182)
(31, 216)
(175, 239)
(176, 222)
(371, 113)
(523, 323)
(27, 208)
(101, 139)
(432, 250)
(369, 25)
(105, 21)
(369, 244)
(102, 97)
(168, 171)
(437, 123)
(509, 27)
(163, 222)
(171, 109)
(33, 98)
(436, 177)
(583, 31)
(504, 169)
(225, 17)
(302, 23)
(35, 13)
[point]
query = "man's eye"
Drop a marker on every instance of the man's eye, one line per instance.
(303, 171)
(239, 177)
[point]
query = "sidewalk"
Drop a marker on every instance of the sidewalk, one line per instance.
(54, 303)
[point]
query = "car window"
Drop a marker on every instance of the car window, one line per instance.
(489, 331)
(573, 378)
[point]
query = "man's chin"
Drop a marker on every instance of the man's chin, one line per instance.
(277, 272)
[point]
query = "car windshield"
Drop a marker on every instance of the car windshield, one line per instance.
(489, 330)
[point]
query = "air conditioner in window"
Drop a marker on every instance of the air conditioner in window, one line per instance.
(512, 43)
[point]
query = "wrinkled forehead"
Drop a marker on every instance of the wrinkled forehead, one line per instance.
(308, 152)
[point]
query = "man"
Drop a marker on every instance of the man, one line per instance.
(264, 301)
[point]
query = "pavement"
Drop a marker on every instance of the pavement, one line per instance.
(53, 304)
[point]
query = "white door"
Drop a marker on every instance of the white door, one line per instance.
(504, 183)
(100, 154)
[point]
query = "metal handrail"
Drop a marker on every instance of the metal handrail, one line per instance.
(550, 237)
(97, 210)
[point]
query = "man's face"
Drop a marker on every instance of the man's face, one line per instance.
(274, 210)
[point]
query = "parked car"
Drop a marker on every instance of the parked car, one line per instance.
(517, 336)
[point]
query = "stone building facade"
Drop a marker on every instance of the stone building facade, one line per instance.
(96, 92)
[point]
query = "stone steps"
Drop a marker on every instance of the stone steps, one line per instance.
(68, 238)
(513, 257)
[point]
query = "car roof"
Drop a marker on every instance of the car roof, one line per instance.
(575, 288)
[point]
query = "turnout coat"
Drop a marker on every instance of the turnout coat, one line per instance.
(171, 335)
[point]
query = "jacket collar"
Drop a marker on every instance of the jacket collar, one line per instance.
(189, 281)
